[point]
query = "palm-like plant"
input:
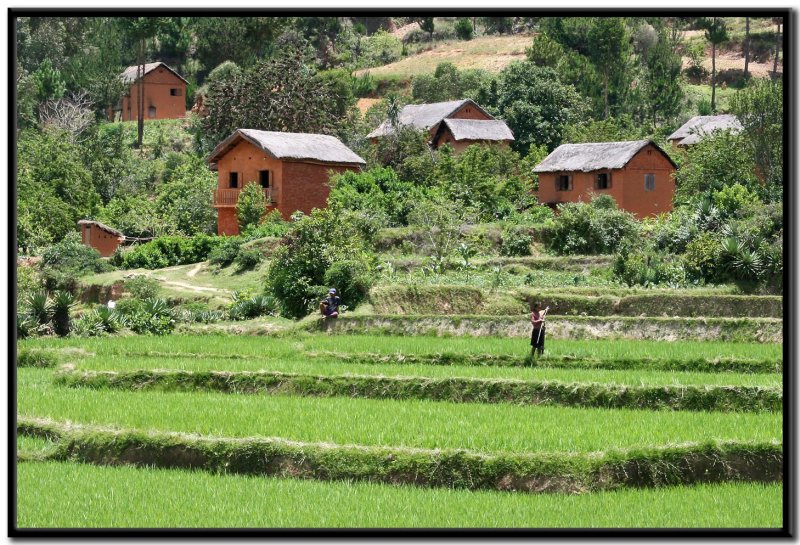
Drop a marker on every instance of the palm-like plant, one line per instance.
(63, 301)
(40, 307)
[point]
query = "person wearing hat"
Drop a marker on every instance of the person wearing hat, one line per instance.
(330, 306)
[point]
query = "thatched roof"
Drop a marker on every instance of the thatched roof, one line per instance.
(478, 129)
(594, 156)
(293, 146)
(129, 75)
(701, 126)
(423, 116)
(103, 226)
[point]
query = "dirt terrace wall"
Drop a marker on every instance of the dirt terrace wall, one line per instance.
(758, 330)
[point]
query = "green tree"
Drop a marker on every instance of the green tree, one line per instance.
(716, 161)
(251, 206)
(464, 29)
(716, 33)
(426, 25)
(53, 185)
(185, 198)
(281, 94)
(536, 105)
(663, 91)
(49, 82)
(609, 50)
(139, 30)
(759, 108)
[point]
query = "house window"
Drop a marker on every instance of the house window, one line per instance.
(263, 178)
(233, 178)
(603, 181)
(176, 92)
(564, 182)
(151, 112)
(649, 182)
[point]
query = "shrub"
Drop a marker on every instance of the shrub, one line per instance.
(351, 278)
(226, 252)
(272, 225)
(167, 251)
(251, 206)
(142, 287)
(647, 269)
(251, 306)
(62, 263)
(702, 257)
(514, 242)
(594, 228)
(463, 28)
(248, 259)
(316, 242)
(732, 198)
(147, 316)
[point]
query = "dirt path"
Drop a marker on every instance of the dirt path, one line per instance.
(190, 287)
(194, 271)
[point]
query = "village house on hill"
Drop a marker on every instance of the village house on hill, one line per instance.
(164, 94)
(701, 126)
(637, 174)
(292, 168)
(101, 237)
(466, 123)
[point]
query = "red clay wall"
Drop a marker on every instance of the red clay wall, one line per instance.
(247, 160)
(100, 240)
(227, 224)
(627, 185)
(306, 186)
(157, 85)
(295, 185)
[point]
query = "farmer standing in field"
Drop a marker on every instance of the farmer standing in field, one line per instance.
(537, 335)
(330, 306)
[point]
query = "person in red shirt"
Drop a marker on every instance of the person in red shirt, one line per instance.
(537, 335)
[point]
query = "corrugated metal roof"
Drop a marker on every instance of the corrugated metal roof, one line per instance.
(479, 129)
(593, 156)
(422, 116)
(700, 126)
(130, 73)
(292, 145)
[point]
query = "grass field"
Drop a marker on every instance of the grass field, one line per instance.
(492, 53)
(212, 346)
(483, 428)
(228, 500)
(89, 496)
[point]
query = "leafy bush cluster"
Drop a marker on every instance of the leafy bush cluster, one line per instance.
(596, 227)
(64, 261)
(324, 246)
(166, 251)
(147, 316)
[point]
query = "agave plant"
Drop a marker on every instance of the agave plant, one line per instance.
(111, 320)
(26, 325)
(63, 301)
(41, 307)
(88, 325)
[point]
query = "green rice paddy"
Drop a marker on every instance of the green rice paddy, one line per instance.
(89, 496)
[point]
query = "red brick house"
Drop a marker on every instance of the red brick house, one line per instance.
(429, 117)
(164, 94)
(461, 133)
(637, 174)
(293, 169)
(101, 237)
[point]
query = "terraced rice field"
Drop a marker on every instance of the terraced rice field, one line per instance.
(404, 460)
